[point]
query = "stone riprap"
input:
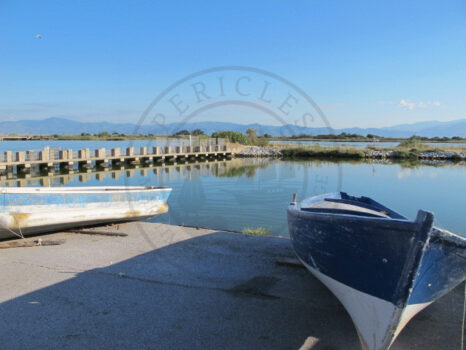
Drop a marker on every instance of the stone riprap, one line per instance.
(256, 151)
(422, 155)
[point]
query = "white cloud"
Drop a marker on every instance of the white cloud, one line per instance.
(406, 104)
(421, 104)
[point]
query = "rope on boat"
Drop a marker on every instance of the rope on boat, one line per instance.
(20, 235)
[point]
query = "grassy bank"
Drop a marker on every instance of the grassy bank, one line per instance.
(403, 151)
(294, 152)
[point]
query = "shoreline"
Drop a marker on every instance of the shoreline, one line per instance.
(176, 287)
(317, 152)
(123, 137)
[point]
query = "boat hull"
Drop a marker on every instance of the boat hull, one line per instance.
(383, 271)
(36, 210)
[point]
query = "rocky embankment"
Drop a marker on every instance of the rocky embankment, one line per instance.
(256, 151)
(441, 155)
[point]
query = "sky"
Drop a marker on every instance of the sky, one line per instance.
(363, 63)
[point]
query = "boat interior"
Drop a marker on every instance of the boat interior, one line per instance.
(342, 203)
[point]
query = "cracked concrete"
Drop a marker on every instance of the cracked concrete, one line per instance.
(170, 287)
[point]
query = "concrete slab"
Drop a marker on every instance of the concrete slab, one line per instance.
(169, 287)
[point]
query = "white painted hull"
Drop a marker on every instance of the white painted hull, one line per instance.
(59, 209)
(378, 322)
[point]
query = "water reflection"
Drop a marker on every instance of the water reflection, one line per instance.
(81, 176)
(238, 193)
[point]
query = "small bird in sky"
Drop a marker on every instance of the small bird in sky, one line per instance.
(38, 36)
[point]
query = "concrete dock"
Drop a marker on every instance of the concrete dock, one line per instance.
(170, 287)
(23, 161)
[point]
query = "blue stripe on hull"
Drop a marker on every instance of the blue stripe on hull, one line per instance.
(374, 256)
(80, 199)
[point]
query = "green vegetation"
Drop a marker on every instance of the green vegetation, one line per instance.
(316, 151)
(182, 133)
(408, 150)
(258, 231)
(232, 136)
(368, 138)
(254, 139)
(249, 170)
(251, 138)
(196, 132)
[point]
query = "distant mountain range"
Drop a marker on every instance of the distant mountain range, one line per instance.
(66, 126)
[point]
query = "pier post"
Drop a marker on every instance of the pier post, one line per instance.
(8, 156)
(20, 156)
(116, 152)
(100, 153)
(30, 155)
(84, 157)
(45, 182)
(44, 155)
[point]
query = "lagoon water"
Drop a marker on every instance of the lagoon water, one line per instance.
(76, 145)
(80, 144)
(240, 193)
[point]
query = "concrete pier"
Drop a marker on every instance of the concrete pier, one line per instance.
(169, 287)
(22, 161)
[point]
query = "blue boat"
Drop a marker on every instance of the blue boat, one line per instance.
(382, 267)
(31, 210)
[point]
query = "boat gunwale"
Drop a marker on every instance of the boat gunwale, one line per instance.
(81, 190)
(299, 212)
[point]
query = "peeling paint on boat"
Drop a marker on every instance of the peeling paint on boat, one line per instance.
(383, 267)
(33, 210)
(20, 220)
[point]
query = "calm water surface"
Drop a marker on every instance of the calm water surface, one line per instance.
(240, 193)
(80, 144)
(77, 145)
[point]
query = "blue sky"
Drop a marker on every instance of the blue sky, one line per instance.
(367, 63)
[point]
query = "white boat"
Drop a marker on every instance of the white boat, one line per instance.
(31, 210)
